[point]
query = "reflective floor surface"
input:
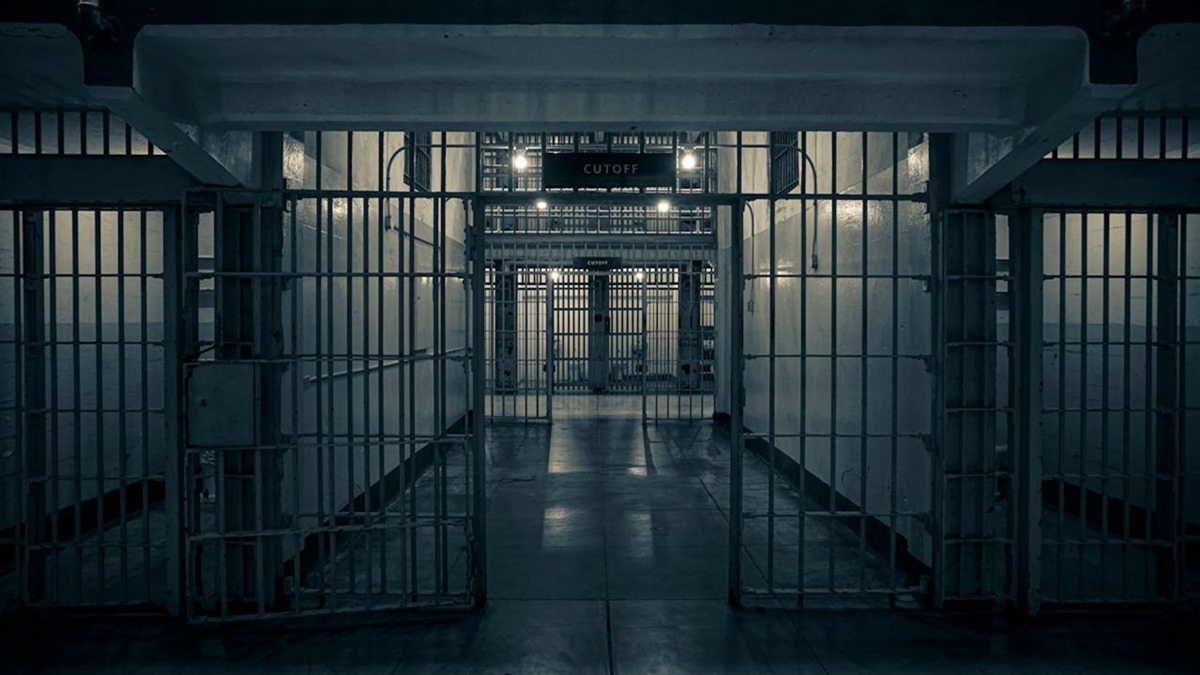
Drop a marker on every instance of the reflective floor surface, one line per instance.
(607, 554)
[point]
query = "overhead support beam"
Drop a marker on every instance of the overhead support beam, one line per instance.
(613, 101)
(1105, 183)
(91, 181)
(984, 163)
(222, 159)
(109, 30)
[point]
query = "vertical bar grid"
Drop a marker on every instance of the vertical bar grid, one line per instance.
(828, 357)
(94, 416)
(378, 508)
(1116, 377)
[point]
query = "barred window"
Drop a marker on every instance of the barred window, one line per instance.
(785, 162)
(418, 160)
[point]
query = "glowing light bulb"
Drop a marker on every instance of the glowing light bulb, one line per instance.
(554, 275)
(639, 276)
(520, 161)
(688, 161)
(542, 205)
(664, 206)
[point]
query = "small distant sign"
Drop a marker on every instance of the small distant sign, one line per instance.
(607, 169)
(597, 263)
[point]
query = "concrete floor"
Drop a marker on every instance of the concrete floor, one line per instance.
(607, 554)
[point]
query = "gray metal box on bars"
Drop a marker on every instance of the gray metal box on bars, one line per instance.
(220, 405)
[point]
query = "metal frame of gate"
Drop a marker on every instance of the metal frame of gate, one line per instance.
(86, 455)
(82, 411)
(680, 341)
(810, 515)
(519, 331)
(1116, 484)
(361, 485)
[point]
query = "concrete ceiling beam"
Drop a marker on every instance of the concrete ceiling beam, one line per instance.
(607, 104)
(1105, 183)
(91, 181)
(110, 34)
(216, 158)
(986, 162)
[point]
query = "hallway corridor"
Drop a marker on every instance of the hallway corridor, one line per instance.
(598, 507)
(607, 549)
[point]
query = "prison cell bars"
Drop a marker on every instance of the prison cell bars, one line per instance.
(761, 523)
(353, 521)
(1099, 536)
(82, 132)
(98, 545)
(1125, 136)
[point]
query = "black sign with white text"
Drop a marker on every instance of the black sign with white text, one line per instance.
(598, 263)
(607, 169)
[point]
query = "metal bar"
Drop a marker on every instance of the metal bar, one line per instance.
(381, 388)
(894, 362)
(296, 288)
(802, 399)
(548, 282)
(98, 299)
(1148, 422)
(77, 543)
(352, 436)
(403, 395)
(1026, 331)
(144, 319)
(833, 346)
(772, 342)
(1167, 517)
(319, 367)
(1126, 400)
(331, 456)
(1104, 387)
(53, 403)
(1083, 382)
(940, 152)
(478, 451)
(737, 394)
(1062, 402)
(863, 383)
(30, 261)
(122, 431)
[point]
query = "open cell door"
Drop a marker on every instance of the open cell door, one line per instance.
(329, 380)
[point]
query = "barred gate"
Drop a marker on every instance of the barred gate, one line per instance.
(680, 307)
(1120, 519)
(328, 464)
(84, 523)
(520, 339)
(833, 474)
